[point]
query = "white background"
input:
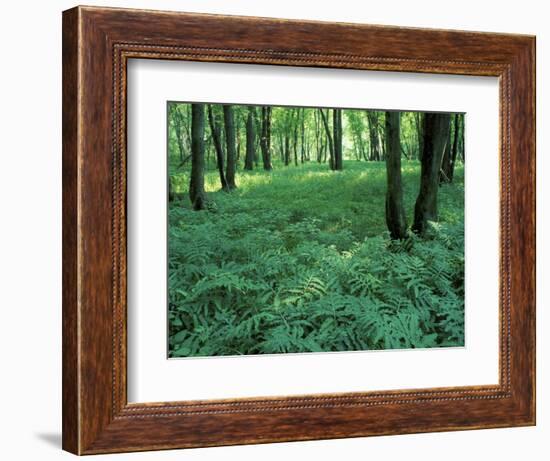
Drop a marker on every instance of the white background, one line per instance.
(152, 378)
(30, 244)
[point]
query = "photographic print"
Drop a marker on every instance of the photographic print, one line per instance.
(302, 229)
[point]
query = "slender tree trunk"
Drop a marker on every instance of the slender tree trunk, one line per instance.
(396, 219)
(419, 122)
(170, 189)
(435, 134)
(239, 145)
(196, 185)
(229, 121)
(321, 151)
(216, 136)
(449, 157)
(361, 145)
(287, 149)
(373, 135)
(455, 147)
(257, 136)
(296, 113)
(337, 128)
(381, 142)
(265, 142)
(446, 162)
(461, 139)
(318, 140)
(178, 127)
(250, 140)
(268, 134)
(329, 139)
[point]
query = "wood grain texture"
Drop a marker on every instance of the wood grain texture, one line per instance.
(70, 384)
(97, 43)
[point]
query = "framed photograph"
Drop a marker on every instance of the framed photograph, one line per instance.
(281, 230)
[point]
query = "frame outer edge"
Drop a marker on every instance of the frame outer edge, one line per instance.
(91, 422)
(522, 242)
(70, 273)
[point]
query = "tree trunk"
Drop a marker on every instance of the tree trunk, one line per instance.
(381, 142)
(449, 157)
(287, 149)
(373, 136)
(419, 122)
(196, 184)
(318, 139)
(329, 139)
(337, 128)
(295, 135)
(178, 127)
(361, 146)
(445, 162)
(396, 219)
(216, 136)
(170, 189)
(435, 134)
(250, 140)
(265, 142)
(455, 148)
(229, 121)
(461, 139)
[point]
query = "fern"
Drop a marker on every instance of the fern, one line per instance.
(247, 278)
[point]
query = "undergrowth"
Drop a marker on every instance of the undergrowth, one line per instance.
(299, 260)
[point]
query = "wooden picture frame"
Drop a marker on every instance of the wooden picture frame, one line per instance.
(97, 43)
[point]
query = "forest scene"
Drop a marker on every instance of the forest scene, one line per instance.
(298, 229)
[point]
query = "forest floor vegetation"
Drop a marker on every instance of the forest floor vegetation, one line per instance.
(299, 259)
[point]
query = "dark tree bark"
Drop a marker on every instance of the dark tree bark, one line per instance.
(239, 144)
(455, 147)
(337, 128)
(287, 135)
(449, 157)
(170, 190)
(196, 184)
(396, 219)
(372, 119)
(445, 162)
(318, 139)
(265, 141)
(216, 136)
(419, 122)
(461, 139)
(250, 140)
(296, 115)
(436, 134)
(229, 121)
(329, 139)
(381, 143)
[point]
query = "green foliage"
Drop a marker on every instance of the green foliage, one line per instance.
(289, 122)
(298, 260)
